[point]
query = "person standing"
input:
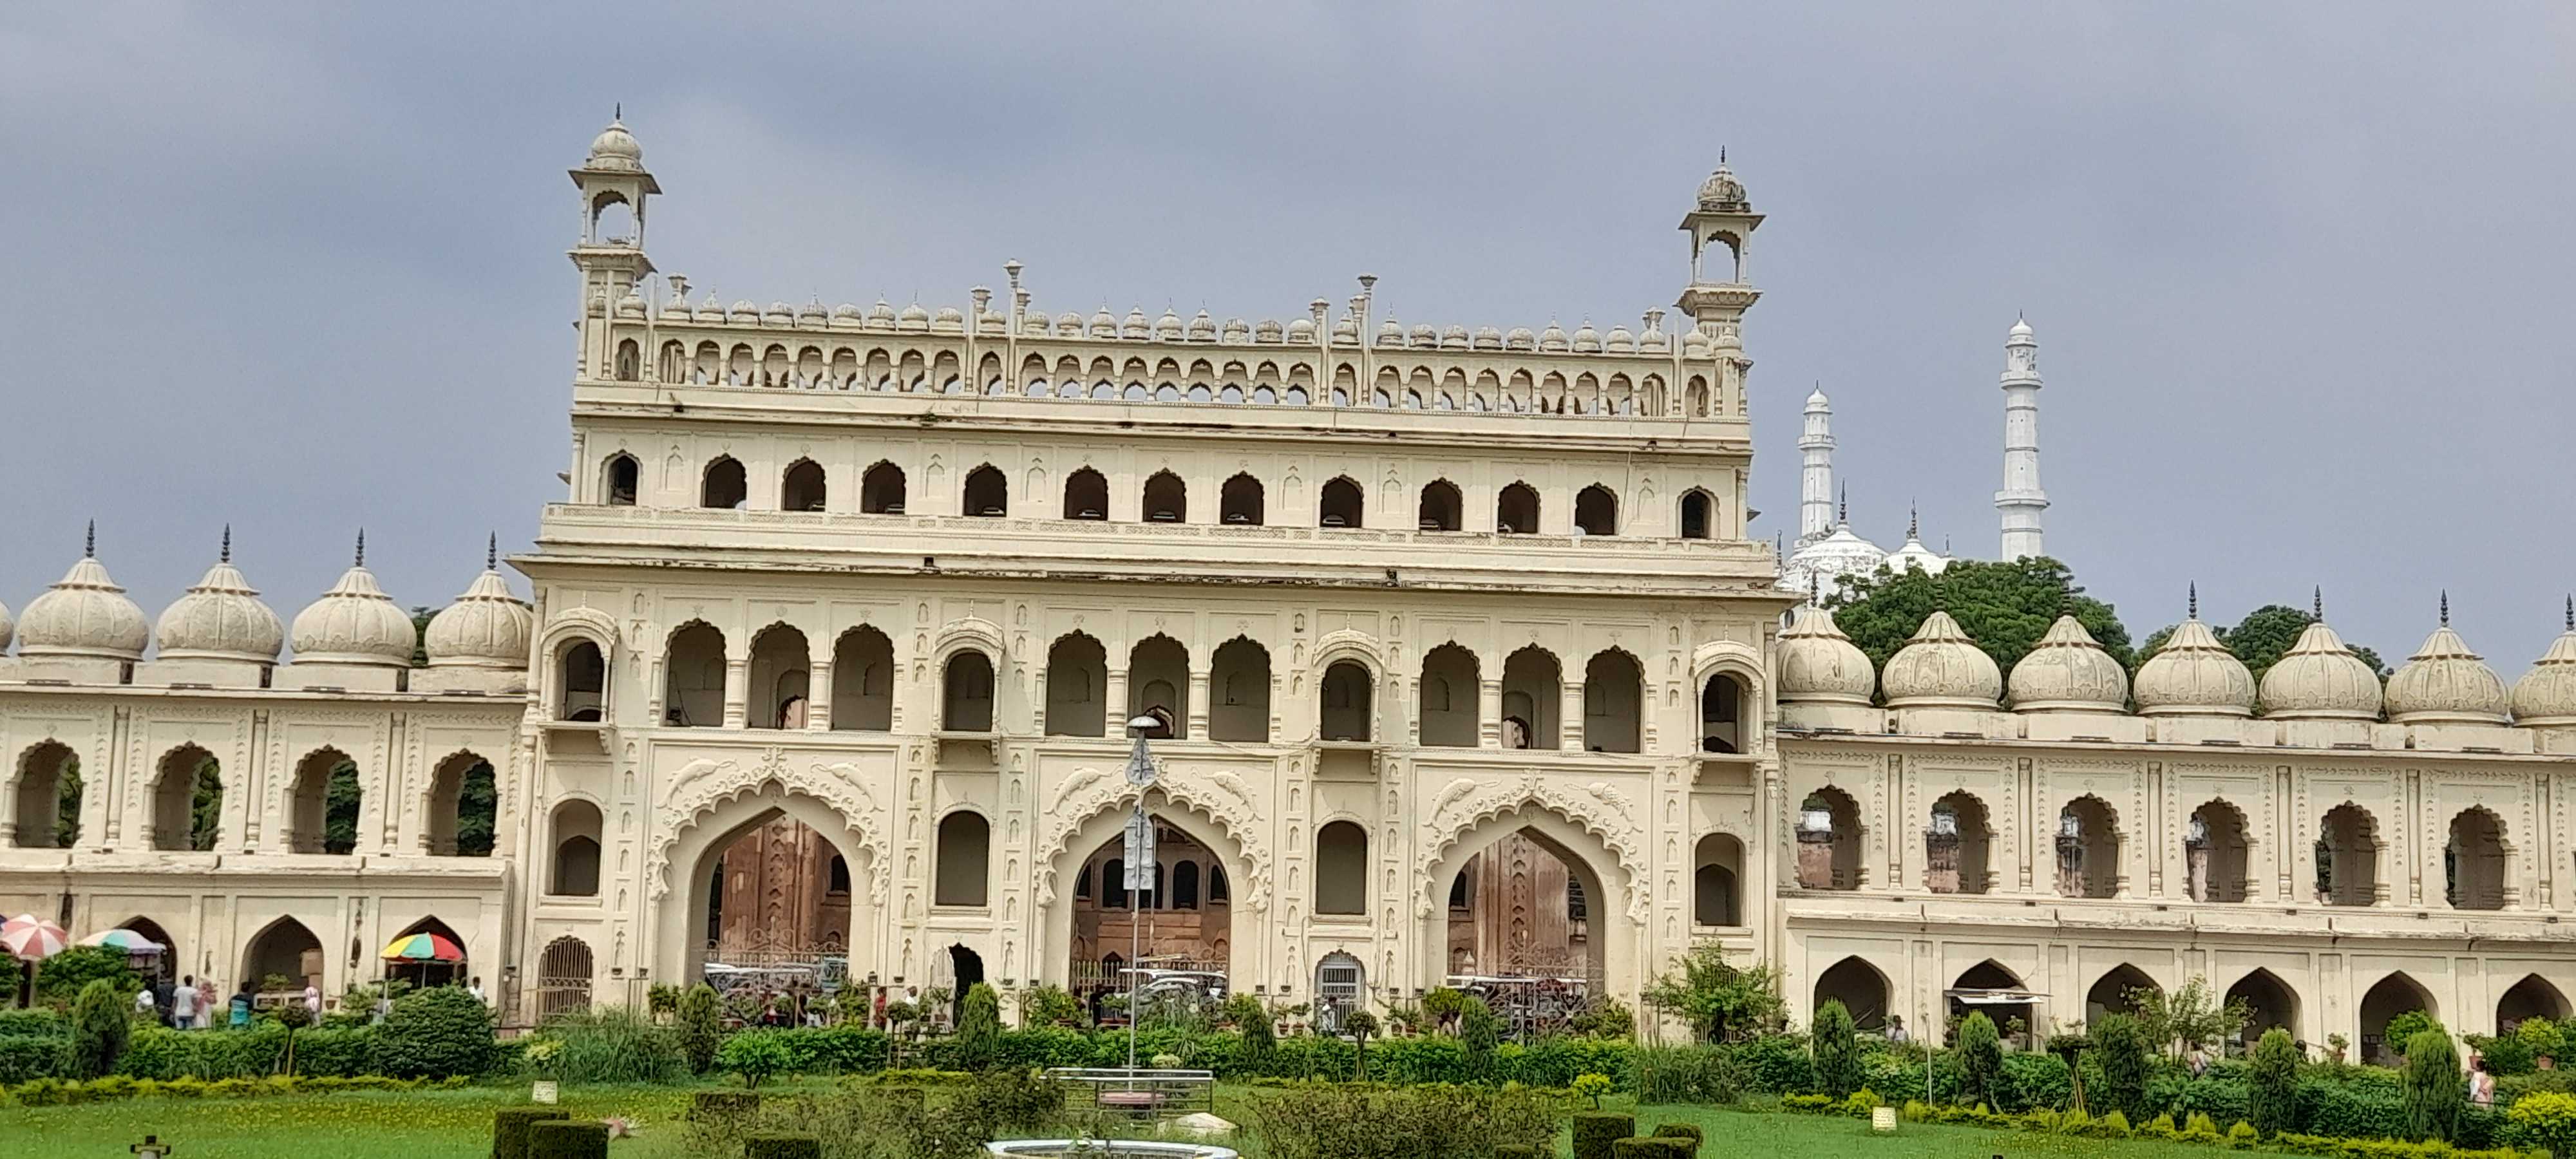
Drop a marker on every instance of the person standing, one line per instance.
(475, 988)
(242, 1003)
(183, 1004)
(2481, 1085)
(312, 1005)
(144, 1007)
(206, 1001)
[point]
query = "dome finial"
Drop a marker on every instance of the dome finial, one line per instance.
(1842, 514)
(2194, 604)
(2571, 613)
(361, 561)
(492, 552)
(226, 555)
(2446, 608)
(89, 544)
(2319, 595)
(1913, 522)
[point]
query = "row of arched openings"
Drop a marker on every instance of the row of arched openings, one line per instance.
(1959, 840)
(1241, 500)
(324, 795)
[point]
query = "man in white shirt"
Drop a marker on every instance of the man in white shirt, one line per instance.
(143, 1007)
(183, 1003)
(475, 988)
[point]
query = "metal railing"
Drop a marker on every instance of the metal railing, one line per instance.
(1139, 1094)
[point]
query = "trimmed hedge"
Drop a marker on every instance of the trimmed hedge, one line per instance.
(566, 1139)
(510, 1128)
(782, 1146)
(1595, 1131)
(1688, 1131)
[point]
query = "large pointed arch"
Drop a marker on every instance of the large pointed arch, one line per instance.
(284, 948)
(1092, 808)
(714, 804)
(1591, 837)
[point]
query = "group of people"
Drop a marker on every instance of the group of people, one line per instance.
(189, 1003)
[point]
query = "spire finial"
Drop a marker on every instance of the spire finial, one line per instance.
(2571, 613)
(226, 555)
(1816, 588)
(1721, 156)
(89, 544)
(2320, 597)
(2194, 605)
(362, 548)
(1913, 521)
(1842, 514)
(618, 112)
(2446, 607)
(492, 552)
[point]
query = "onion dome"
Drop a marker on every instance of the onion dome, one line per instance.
(355, 623)
(846, 314)
(1586, 339)
(913, 317)
(1269, 331)
(615, 148)
(744, 311)
(2320, 679)
(1722, 192)
(1134, 325)
(1423, 338)
(1819, 664)
(1552, 339)
(1619, 340)
(1456, 338)
(2067, 671)
(1520, 339)
(1825, 562)
(1068, 324)
(84, 614)
(1694, 344)
(1303, 330)
(709, 309)
(221, 619)
(1168, 327)
(2546, 695)
(1940, 667)
(1236, 331)
(8, 628)
(2445, 683)
(487, 627)
(1390, 333)
(2194, 675)
(882, 315)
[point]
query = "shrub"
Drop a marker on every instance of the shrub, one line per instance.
(1479, 1031)
(2272, 1086)
(2121, 1049)
(40, 1020)
(2405, 1025)
(2198, 1128)
(1647, 1148)
(1595, 1130)
(783, 1145)
(61, 979)
(613, 1044)
(99, 1029)
(2115, 1126)
(1432, 1121)
(2243, 1135)
(979, 1028)
(2508, 1055)
(510, 1128)
(1777, 1064)
(33, 1056)
(1593, 1086)
(2433, 1086)
(1688, 1131)
(1687, 1074)
(565, 1138)
(723, 1106)
(2545, 1119)
(1517, 1151)
(701, 1027)
(755, 1055)
(2542, 1036)
(1981, 1055)
(1836, 1052)
(438, 1031)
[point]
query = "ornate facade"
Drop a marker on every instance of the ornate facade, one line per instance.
(1457, 655)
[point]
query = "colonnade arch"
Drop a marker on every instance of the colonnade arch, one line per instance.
(2269, 1003)
(1862, 988)
(2386, 999)
(696, 849)
(1599, 879)
(1059, 954)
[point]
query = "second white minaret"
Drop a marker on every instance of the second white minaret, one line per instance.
(2021, 500)
(1816, 477)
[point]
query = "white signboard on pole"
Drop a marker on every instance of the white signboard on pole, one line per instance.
(1140, 851)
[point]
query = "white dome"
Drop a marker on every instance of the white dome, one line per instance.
(615, 148)
(487, 627)
(354, 623)
(85, 614)
(2445, 683)
(1721, 191)
(8, 628)
(1818, 664)
(2194, 675)
(1822, 564)
(2069, 672)
(2320, 679)
(221, 618)
(1940, 667)
(2546, 695)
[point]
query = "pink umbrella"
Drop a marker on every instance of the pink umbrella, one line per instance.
(32, 938)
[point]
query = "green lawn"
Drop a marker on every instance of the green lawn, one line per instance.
(457, 1124)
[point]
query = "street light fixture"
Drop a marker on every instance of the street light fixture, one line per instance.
(1139, 868)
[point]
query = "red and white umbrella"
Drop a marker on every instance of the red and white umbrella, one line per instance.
(32, 938)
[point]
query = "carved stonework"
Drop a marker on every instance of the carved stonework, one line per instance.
(702, 786)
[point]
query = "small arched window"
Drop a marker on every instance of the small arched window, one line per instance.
(802, 489)
(1516, 510)
(881, 490)
(987, 492)
(1340, 505)
(967, 693)
(1185, 885)
(630, 361)
(725, 487)
(1086, 495)
(1697, 512)
(1240, 504)
(1347, 694)
(623, 475)
(1441, 507)
(1341, 869)
(965, 849)
(575, 868)
(1596, 511)
(584, 689)
(1167, 499)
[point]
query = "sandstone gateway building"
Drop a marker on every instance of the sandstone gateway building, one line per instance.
(1459, 658)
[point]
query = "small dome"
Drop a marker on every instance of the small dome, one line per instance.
(632, 305)
(1722, 192)
(2020, 330)
(1301, 330)
(221, 619)
(2320, 679)
(1269, 330)
(882, 315)
(1619, 340)
(2445, 683)
(354, 623)
(1820, 665)
(8, 628)
(1424, 337)
(1168, 327)
(2546, 695)
(1236, 331)
(1455, 338)
(615, 148)
(1821, 566)
(2194, 675)
(913, 317)
(845, 312)
(709, 309)
(1346, 330)
(1552, 339)
(84, 614)
(949, 320)
(1134, 326)
(1695, 344)
(811, 311)
(2067, 671)
(1489, 338)
(1520, 338)
(1390, 333)
(487, 627)
(1940, 667)
(1587, 339)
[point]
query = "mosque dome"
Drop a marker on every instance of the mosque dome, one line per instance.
(2194, 675)
(354, 623)
(2546, 695)
(1819, 664)
(2445, 683)
(615, 148)
(2067, 671)
(1722, 191)
(2320, 679)
(1940, 667)
(487, 627)
(1822, 564)
(84, 614)
(221, 618)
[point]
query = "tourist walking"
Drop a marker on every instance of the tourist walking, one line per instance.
(183, 1004)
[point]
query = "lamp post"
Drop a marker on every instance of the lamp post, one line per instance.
(1139, 857)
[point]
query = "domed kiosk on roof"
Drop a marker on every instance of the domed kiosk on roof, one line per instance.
(2194, 675)
(2546, 695)
(83, 616)
(2068, 671)
(1819, 664)
(356, 630)
(615, 148)
(2445, 683)
(1941, 667)
(2320, 679)
(221, 618)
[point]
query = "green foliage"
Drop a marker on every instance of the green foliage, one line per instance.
(2434, 1088)
(1593, 1086)
(1443, 1003)
(2267, 632)
(1431, 1121)
(1689, 1131)
(67, 805)
(99, 1029)
(1716, 998)
(2273, 1082)
(979, 1028)
(510, 1128)
(612, 1044)
(1605, 1017)
(2190, 1015)
(1361, 1026)
(2543, 1119)
(2125, 1054)
(701, 1027)
(755, 1055)
(62, 978)
(1519, 1151)
(1594, 1131)
(438, 1031)
(1649, 1147)
(1837, 1052)
(1981, 1056)
(1480, 1031)
(568, 1139)
(2405, 1025)
(340, 808)
(1698, 1073)
(206, 809)
(478, 805)
(2541, 1035)
(782, 1145)
(1047, 1004)
(2005, 607)
(2508, 1055)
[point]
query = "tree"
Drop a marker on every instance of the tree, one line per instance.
(61, 979)
(205, 812)
(2005, 607)
(979, 1028)
(2434, 1088)
(1981, 1056)
(1362, 1025)
(67, 805)
(477, 807)
(1717, 999)
(1480, 1031)
(1252, 1016)
(2405, 1025)
(2126, 1056)
(701, 1027)
(2272, 1086)
(2190, 1016)
(1836, 1049)
(340, 809)
(2262, 637)
(99, 1029)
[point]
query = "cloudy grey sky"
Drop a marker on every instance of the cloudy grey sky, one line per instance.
(2293, 266)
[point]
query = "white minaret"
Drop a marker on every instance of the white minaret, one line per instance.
(1816, 481)
(2021, 500)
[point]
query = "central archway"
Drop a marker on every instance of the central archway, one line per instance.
(690, 924)
(1599, 946)
(1079, 928)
